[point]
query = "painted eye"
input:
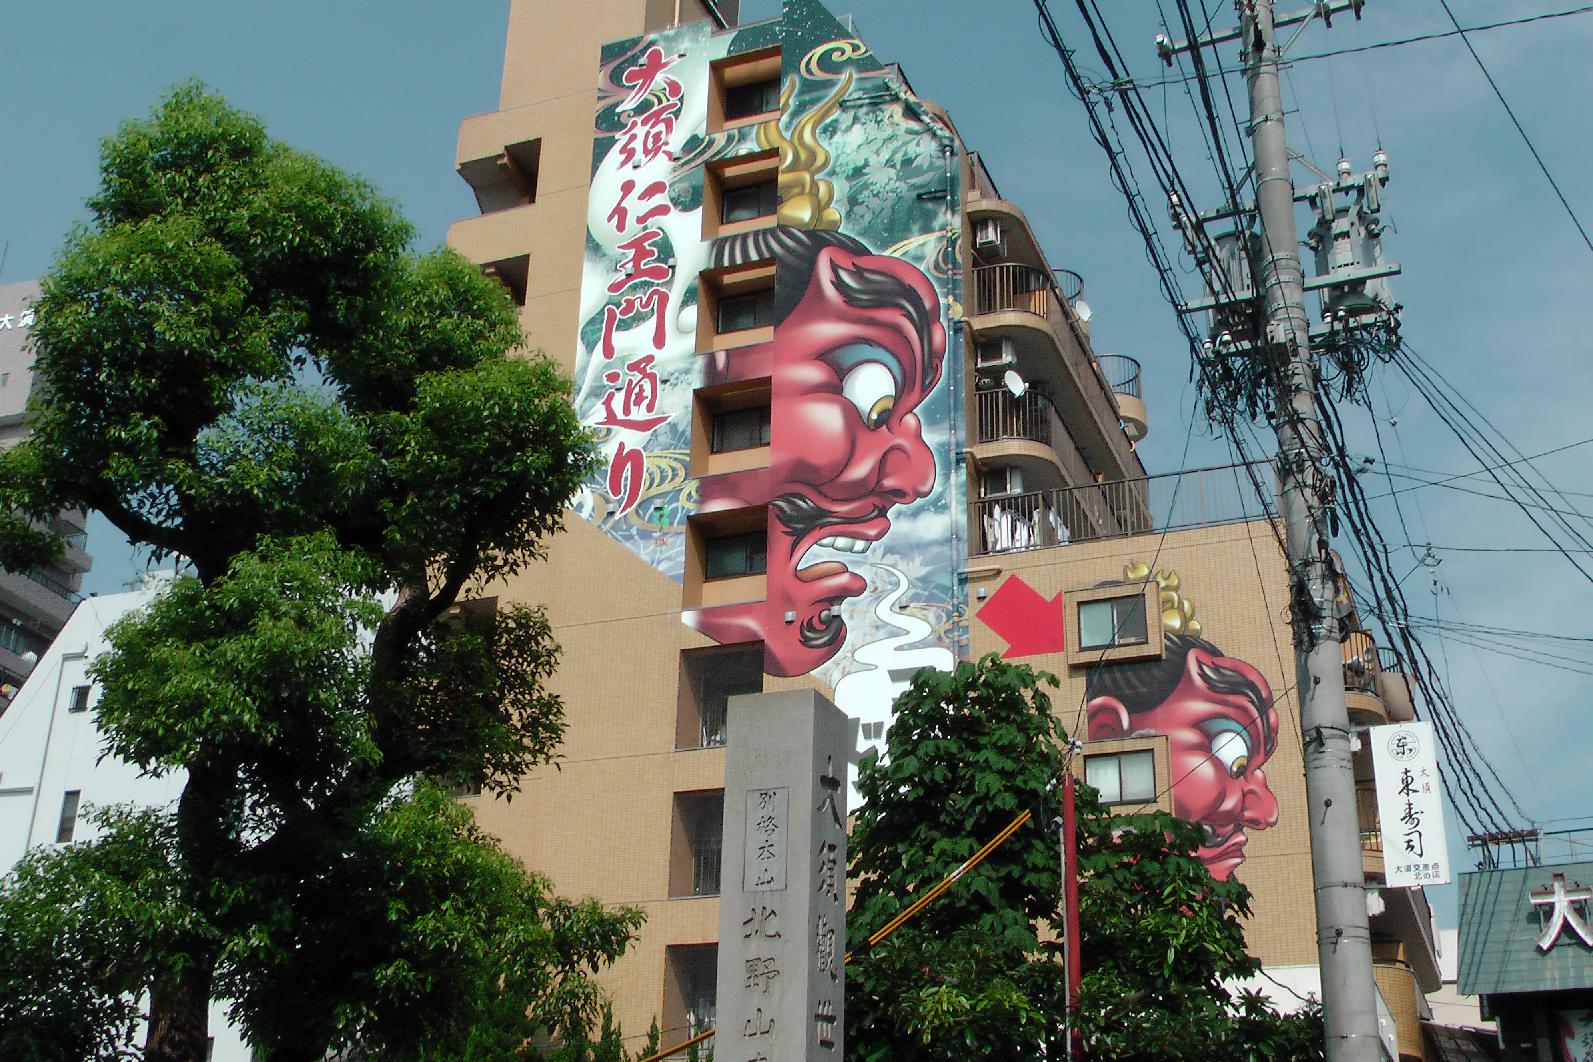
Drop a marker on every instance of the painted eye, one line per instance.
(872, 389)
(1232, 750)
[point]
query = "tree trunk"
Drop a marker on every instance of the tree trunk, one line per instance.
(179, 1016)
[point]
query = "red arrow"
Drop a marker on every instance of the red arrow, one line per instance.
(1027, 621)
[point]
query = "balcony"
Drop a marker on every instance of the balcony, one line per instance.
(1031, 312)
(1042, 439)
(1123, 377)
(1359, 654)
(1201, 497)
(1371, 831)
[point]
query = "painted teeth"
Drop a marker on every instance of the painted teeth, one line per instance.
(844, 544)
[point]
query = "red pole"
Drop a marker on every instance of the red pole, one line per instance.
(1070, 899)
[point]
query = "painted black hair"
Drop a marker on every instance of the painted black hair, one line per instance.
(793, 251)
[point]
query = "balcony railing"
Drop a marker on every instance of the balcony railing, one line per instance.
(1200, 497)
(984, 186)
(1031, 417)
(1360, 657)
(1001, 416)
(1122, 374)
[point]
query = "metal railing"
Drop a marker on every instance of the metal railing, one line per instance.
(1122, 374)
(1002, 416)
(1200, 497)
(1070, 284)
(1359, 654)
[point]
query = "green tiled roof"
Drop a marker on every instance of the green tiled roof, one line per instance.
(1499, 931)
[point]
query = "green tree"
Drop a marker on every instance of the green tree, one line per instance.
(242, 364)
(977, 974)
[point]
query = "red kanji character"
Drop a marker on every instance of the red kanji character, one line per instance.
(641, 76)
(643, 263)
(639, 396)
(654, 299)
(648, 134)
(625, 474)
(619, 217)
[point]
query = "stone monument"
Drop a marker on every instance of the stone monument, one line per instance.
(782, 893)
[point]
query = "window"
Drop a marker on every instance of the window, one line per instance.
(68, 826)
(741, 429)
(1112, 621)
(691, 987)
(1000, 481)
(748, 202)
(80, 696)
(751, 309)
(710, 677)
(701, 820)
(754, 97)
(733, 555)
(1122, 777)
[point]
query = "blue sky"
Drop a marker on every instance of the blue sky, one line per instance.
(1495, 284)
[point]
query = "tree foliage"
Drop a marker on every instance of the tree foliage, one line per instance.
(242, 364)
(978, 973)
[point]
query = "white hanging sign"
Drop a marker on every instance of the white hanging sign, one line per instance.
(1409, 804)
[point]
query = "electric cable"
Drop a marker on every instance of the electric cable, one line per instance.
(1517, 123)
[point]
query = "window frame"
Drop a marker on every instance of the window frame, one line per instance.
(761, 301)
(767, 205)
(1118, 609)
(80, 699)
(71, 805)
(745, 539)
(1150, 648)
(718, 420)
(1116, 759)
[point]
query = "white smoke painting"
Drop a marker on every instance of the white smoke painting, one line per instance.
(882, 669)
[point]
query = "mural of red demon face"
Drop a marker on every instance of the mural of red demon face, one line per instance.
(852, 357)
(1217, 714)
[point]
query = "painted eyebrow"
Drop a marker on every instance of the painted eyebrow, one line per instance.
(873, 289)
(1228, 681)
(843, 359)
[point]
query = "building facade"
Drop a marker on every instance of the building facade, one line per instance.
(53, 766)
(852, 425)
(33, 605)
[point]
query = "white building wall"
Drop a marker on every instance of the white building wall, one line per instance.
(48, 750)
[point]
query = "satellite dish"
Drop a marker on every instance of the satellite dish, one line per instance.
(1082, 309)
(1015, 383)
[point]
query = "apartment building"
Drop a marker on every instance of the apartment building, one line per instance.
(851, 425)
(34, 605)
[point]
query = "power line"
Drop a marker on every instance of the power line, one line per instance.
(1420, 38)
(1517, 123)
(1468, 475)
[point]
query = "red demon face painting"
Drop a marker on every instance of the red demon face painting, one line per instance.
(850, 360)
(1217, 715)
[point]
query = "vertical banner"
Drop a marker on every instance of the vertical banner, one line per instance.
(1409, 804)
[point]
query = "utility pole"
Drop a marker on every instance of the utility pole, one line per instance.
(1306, 487)
(1344, 943)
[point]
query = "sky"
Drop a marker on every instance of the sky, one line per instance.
(1494, 286)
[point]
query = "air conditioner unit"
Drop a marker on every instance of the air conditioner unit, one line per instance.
(988, 238)
(996, 354)
(997, 482)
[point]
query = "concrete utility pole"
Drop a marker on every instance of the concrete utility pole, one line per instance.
(1344, 943)
(1349, 994)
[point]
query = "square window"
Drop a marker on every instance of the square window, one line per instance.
(710, 678)
(1122, 777)
(80, 699)
(735, 555)
(748, 202)
(741, 429)
(750, 309)
(752, 98)
(1111, 622)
